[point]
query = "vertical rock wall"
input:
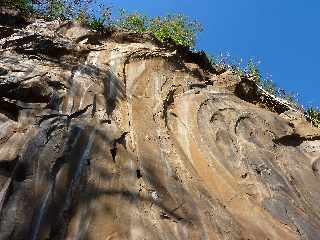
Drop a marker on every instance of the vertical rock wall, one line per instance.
(113, 137)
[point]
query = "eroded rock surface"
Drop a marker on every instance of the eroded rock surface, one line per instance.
(113, 137)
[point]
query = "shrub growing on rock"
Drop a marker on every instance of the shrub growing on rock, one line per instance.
(136, 22)
(171, 29)
(314, 116)
(175, 28)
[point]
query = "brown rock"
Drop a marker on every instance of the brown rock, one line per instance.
(305, 129)
(113, 143)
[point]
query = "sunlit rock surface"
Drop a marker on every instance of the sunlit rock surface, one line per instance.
(113, 137)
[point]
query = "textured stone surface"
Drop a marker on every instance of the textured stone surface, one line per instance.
(113, 137)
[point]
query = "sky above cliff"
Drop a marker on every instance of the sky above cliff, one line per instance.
(282, 34)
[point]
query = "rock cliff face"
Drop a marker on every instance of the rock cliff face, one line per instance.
(111, 136)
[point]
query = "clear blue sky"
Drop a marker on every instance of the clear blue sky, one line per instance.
(283, 34)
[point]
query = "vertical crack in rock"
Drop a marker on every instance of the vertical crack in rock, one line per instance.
(168, 101)
(138, 172)
(114, 148)
(94, 106)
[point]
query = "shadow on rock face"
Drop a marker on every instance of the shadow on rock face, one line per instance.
(114, 91)
(246, 90)
(293, 140)
(5, 32)
(11, 19)
(9, 109)
(69, 190)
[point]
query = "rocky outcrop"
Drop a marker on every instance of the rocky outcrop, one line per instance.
(111, 136)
